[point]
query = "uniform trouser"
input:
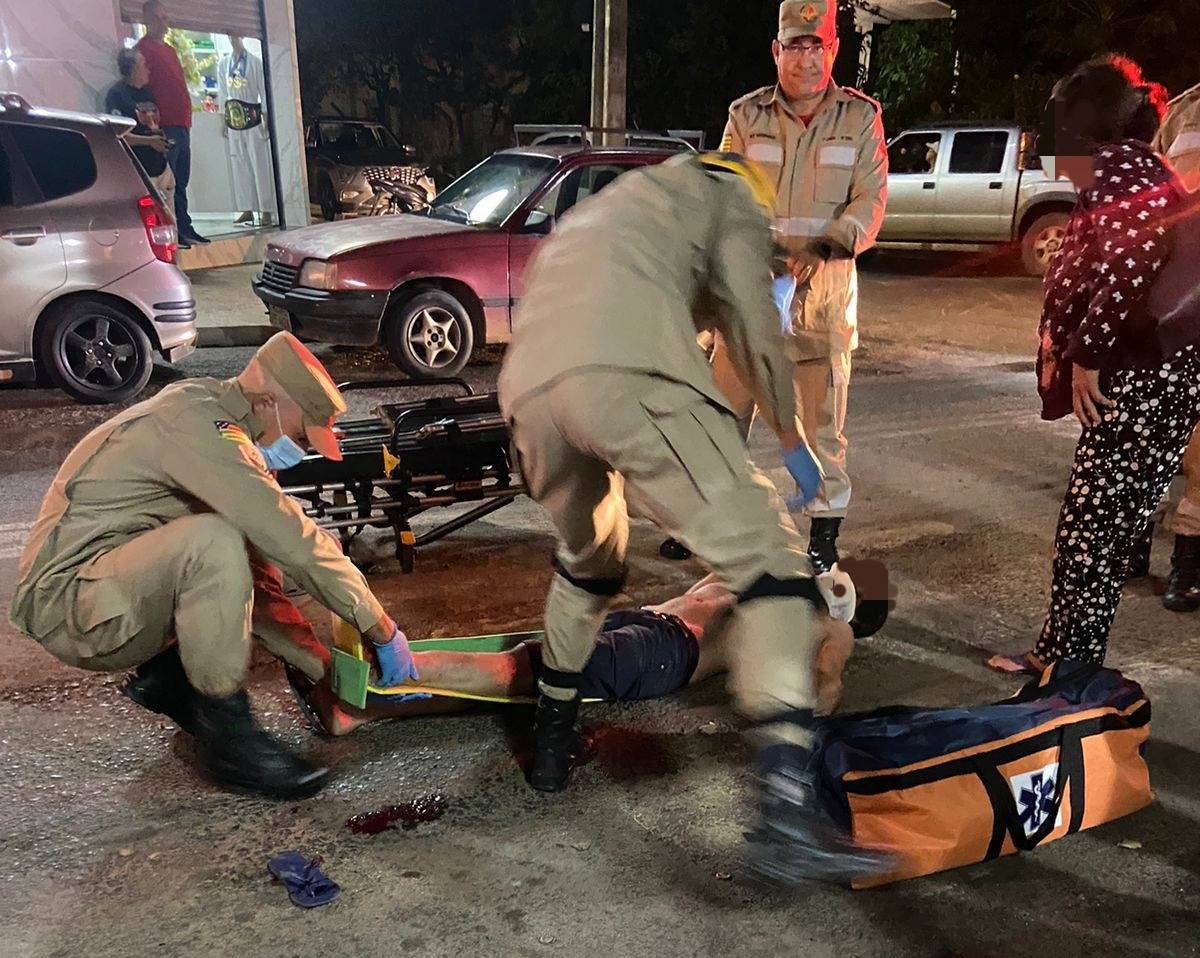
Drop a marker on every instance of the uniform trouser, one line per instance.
(821, 387)
(1122, 467)
(593, 438)
(195, 580)
(1186, 519)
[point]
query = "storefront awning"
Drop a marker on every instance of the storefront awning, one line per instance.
(240, 18)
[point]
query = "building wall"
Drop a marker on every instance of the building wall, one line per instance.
(62, 54)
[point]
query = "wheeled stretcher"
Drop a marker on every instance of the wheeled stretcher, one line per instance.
(408, 458)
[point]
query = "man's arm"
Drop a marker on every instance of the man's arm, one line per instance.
(733, 140)
(747, 317)
(856, 229)
(226, 472)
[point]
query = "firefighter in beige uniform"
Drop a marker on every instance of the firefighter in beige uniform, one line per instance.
(609, 399)
(163, 524)
(823, 145)
(1179, 141)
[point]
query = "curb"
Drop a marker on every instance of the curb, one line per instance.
(254, 335)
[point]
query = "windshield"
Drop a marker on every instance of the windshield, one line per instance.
(487, 195)
(358, 136)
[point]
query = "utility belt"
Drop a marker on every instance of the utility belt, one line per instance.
(240, 115)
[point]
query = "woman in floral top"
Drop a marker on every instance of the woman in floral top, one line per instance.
(1099, 355)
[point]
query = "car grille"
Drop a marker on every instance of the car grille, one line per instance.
(278, 277)
(405, 175)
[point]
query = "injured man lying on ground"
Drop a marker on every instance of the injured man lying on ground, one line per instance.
(641, 654)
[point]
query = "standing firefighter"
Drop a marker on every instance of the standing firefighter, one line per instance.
(1178, 140)
(609, 398)
(823, 147)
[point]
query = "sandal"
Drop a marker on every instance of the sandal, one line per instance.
(307, 885)
(1024, 664)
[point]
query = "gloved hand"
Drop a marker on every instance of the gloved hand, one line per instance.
(783, 289)
(396, 664)
(804, 469)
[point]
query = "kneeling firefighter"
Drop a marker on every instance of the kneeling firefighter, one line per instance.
(609, 400)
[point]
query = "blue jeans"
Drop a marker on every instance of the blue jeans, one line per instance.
(179, 157)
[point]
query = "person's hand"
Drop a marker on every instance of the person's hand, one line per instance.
(804, 470)
(1086, 395)
(805, 265)
(159, 143)
(396, 666)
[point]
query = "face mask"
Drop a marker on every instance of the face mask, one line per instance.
(284, 452)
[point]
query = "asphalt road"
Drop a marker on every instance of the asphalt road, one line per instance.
(112, 846)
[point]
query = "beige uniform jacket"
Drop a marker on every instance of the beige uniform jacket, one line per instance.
(1178, 138)
(628, 279)
(186, 450)
(831, 181)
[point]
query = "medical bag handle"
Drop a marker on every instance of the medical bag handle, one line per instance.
(1004, 803)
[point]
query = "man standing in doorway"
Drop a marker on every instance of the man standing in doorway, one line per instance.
(823, 146)
(175, 111)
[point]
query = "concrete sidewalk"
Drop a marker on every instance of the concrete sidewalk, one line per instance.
(227, 311)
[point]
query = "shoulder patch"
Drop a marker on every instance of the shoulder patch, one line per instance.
(232, 432)
(762, 94)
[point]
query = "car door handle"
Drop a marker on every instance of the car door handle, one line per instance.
(24, 236)
(927, 186)
(997, 185)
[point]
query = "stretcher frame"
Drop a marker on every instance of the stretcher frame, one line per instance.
(409, 458)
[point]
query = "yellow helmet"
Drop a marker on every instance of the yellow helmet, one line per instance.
(760, 186)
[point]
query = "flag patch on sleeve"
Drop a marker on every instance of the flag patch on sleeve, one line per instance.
(232, 432)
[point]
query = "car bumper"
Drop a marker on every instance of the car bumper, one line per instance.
(163, 294)
(341, 317)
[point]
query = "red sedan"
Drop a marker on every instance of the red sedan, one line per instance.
(431, 286)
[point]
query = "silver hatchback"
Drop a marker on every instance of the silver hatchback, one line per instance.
(87, 258)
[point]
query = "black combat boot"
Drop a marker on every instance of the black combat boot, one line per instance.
(674, 549)
(796, 839)
(1139, 562)
(1183, 584)
(555, 743)
(160, 685)
(240, 756)
(822, 544)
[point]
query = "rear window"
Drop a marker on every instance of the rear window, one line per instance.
(60, 161)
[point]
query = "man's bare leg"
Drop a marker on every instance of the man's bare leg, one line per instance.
(488, 674)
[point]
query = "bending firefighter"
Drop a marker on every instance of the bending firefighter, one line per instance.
(609, 400)
(159, 548)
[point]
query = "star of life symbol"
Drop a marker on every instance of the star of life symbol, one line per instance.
(1035, 793)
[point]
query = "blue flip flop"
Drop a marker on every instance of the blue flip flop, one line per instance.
(307, 885)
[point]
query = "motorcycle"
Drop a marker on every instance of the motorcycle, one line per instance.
(390, 196)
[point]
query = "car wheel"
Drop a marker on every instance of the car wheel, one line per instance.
(429, 334)
(327, 198)
(1042, 241)
(94, 351)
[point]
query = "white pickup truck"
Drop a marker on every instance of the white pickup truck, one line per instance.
(966, 186)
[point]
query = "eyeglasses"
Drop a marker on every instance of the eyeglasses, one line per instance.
(796, 49)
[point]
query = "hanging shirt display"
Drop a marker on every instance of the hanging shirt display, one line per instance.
(243, 100)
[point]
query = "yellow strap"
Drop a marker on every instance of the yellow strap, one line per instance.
(447, 693)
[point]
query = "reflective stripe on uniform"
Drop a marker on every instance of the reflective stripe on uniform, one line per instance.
(802, 225)
(766, 152)
(1184, 143)
(836, 156)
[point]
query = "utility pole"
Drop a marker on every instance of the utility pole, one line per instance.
(610, 30)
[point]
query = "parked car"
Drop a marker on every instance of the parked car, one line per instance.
(562, 134)
(432, 286)
(87, 252)
(973, 186)
(343, 155)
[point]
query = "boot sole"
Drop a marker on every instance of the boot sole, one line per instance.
(306, 788)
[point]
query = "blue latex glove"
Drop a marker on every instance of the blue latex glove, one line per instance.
(804, 469)
(396, 664)
(783, 290)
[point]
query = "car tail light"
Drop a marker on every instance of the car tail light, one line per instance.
(160, 228)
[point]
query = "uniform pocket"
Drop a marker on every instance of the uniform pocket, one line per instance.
(703, 440)
(835, 173)
(100, 616)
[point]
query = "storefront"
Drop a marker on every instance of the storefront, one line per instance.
(63, 53)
